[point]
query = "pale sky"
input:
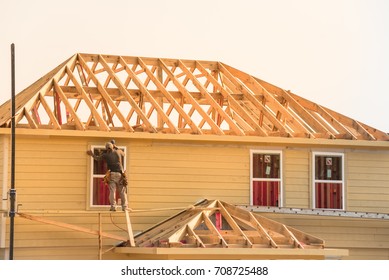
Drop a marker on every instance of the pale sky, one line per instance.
(332, 52)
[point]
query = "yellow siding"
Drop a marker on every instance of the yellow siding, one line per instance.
(296, 178)
(163, 175)
(365, 238)
(181, 175)
(52, 173)
(1, 163)
(368, 181)
(4, 185)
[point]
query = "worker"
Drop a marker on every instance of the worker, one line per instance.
(117, 179)
(114, 144)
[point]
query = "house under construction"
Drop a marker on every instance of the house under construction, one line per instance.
(220, 165)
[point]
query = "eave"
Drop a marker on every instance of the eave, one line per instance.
(208, 138)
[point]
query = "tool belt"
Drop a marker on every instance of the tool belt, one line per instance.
(123, 180)
(107, 176)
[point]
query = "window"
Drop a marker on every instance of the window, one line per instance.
(99, 191)
(328, 180)
(266, 181)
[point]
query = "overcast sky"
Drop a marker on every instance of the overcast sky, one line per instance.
(332, 52)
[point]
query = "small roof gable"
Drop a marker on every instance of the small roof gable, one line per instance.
(217, 224)
(214, 229)
(122, 93)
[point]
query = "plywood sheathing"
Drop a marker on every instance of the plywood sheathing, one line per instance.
(158, 95)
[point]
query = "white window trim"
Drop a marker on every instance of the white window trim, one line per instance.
(281, 180)
(314, 154)
(91, 175)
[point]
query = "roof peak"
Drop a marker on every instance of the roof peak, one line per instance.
(165, 95)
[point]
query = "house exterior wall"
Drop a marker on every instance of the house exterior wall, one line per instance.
(53, 178)
(3, 193)
(364, 238)
(368, 181)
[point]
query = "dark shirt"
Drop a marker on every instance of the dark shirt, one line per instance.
(113, 159)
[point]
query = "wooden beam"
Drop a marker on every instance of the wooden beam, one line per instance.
(96, 115)
(243, 115)
(191, 232)
(129, 229)
(179, 233)
(100, 237)
(50, 113)
(145, 91)
(215, 128)
(262, 231)
(124, 91)
(69, 226)
(210, 100)
(213, 229)
(250, 97)
(359, 128)
(106, 97)
(170, 98)
(30, 119)
(68, 106)
(233, 224)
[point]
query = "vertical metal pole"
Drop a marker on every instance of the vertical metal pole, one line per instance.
(12, 193)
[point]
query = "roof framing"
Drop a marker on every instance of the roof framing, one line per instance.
(159, 95)
(213, 229)
(217, 224)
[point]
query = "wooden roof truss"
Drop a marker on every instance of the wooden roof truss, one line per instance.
(216, 224)
(122, 93)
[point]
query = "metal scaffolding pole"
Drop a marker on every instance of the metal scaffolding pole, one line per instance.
(12, 193)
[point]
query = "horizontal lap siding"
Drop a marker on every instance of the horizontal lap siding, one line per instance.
(3, 203)
(296, 178)
(365, 238)
(164, 176)
(51, 173)
(2, 139)
(368, 181)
